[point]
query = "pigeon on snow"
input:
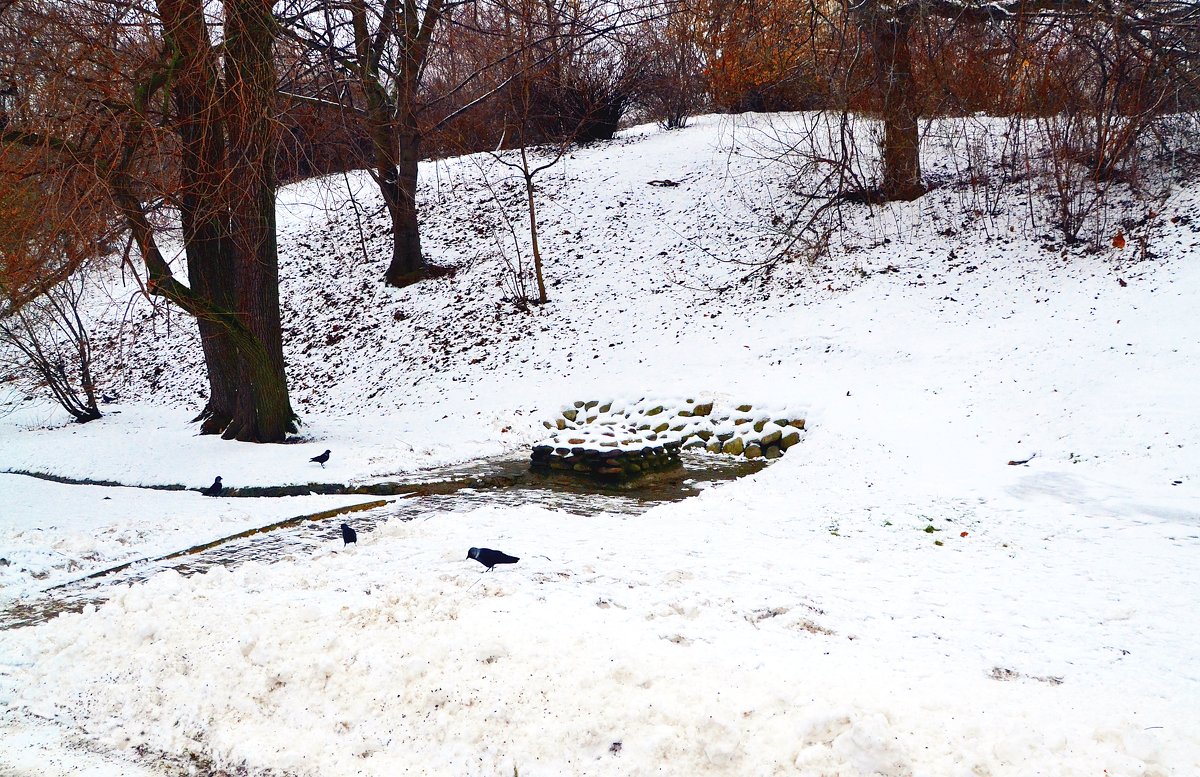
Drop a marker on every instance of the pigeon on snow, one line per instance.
(214, 489)
(490, 558)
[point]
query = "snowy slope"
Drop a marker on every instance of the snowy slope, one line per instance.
(889, 598)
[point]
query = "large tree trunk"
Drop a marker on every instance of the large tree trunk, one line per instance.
(263, 412)
(893, 75)
(162, 283)
(211, 274)
(204, 217)
(400, 194)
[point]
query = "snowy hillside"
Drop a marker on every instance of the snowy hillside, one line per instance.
(630, 266)
(891, 597)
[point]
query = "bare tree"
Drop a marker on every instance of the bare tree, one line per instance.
(377, 62)
(374, 57)
(89, 109)
(558, 98)
(529, 170)
(1156, 29)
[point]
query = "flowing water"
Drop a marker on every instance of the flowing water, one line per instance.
(501, 481)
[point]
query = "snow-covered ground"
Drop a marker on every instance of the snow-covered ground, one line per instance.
(889, 598)
(51, 534)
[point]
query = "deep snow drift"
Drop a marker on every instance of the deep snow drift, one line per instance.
(889, 598)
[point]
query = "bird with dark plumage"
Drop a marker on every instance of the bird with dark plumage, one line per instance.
(490, 558)
(348, 535)
(324, 457)
(214, 489)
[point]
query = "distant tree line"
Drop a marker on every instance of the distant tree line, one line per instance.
(120, 120)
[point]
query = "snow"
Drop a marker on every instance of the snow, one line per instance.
(31, 748)
(51, 534)
(150, 445)
(889, 598)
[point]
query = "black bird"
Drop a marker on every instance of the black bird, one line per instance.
(490, 558)
(348, 534)
(214, 489)
(324, 457)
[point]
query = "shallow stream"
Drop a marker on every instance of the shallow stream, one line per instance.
(504, 481)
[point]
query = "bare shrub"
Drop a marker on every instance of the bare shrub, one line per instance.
(585, 97)
(44, 346)
(672, 87)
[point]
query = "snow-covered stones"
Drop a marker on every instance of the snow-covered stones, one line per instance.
(621, 440)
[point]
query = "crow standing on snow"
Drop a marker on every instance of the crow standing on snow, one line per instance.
(348, 534)
(490, 558)
(324, 457)
(214, 489)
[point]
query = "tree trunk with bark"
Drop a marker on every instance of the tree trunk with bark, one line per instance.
(203, 214)
(533, 230)
(211, 274)
(401, 35)
(901, 152)
(400, 193)
(263, 411)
